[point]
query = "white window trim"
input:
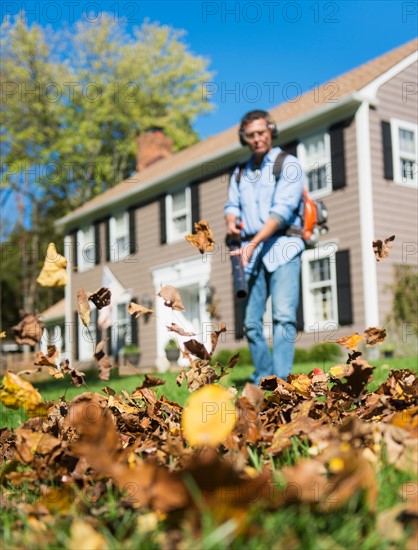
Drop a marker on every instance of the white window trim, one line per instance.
(115, 254)
(310, 323)
(395, 125)
(85, 236)
(301, 153)
(173, 237)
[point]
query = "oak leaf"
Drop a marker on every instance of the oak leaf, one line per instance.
(381, 249)
(171, 297)
(203, 238)
(53, 272)
(208, 417)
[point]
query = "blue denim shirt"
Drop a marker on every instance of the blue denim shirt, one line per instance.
(257, 197)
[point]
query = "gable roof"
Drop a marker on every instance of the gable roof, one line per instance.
(225, 145)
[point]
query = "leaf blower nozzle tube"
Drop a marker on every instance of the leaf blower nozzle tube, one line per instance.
(240, 282)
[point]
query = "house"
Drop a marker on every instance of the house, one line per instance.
(356, 137)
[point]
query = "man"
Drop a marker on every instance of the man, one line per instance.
(271, 259)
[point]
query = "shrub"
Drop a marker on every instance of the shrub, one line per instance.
(325, 352)
(301, 356)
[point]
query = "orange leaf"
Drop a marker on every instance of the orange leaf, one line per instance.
(138, 310)
(171, 297)
(350, 342)
(381, 248)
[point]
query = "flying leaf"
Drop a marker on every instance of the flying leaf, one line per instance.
(215, 335)
(374, 335)
(53, 272)
(47, 360)
(203, 238)
(103, 361)
(209, 417)
(150, 382)
(350, 342)
(101, 298)
(83, 306)
(171, 297)
(197, 349)
(175, 328)
(16, 392)
(381, 249)
(29, 330)
(138, 310)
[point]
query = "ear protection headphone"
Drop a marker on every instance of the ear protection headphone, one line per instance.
(255, 115)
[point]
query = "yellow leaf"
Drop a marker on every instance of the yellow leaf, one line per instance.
(209, 416)
(338, 371)
(85, 537)
(54, 269)
(16, 392)
(350, 342)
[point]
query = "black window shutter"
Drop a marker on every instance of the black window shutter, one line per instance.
(163, 226)
(109, 341)
(194, 192)
(387, 151)
(337, 155)
(107, 239)
(75, 249)
(134, 327)
(76, 342)
(132, 230)
(345, 310)
(299, 313)
(97, 247)
(291, 148)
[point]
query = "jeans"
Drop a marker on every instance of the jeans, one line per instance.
(283, 286)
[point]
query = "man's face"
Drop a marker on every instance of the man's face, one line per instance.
(258, 137)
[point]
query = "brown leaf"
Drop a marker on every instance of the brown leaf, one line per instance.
(197, 349)
(175, 328)
(103, 361)
(350, 342)
(381, 249)
(203, 238)
(101, 298)
(374, 335)
(171, 297)
(83, 306)
(357, 375)
(150, 382)
(29, 330)
(215, 336)
(138, 310)
(48, 359)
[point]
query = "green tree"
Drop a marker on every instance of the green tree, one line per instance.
(73, 101)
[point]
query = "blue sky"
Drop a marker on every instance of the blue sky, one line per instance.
(262, 52)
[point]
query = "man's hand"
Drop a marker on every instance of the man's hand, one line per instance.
(245, 253)
(231, 226)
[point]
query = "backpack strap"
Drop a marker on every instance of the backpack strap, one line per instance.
(277, 167)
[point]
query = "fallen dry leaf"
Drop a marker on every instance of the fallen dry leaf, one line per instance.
(16, 392)
(171, 297)
(103, 361)
(208, 417)
(138, 310)
(29, 330)
(83, 306)
(350, 342)
(175, 328)
(374, 335)
(203, 238)
(101, 298)
(53, 272)
(381, 249)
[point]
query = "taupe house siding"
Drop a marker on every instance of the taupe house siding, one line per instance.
(395, 206)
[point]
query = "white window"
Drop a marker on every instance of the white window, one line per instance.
(86, 249)
(121, 329)
(405, 153)
(314, 153)
(119, 237)
(179, 214)
(319, 290)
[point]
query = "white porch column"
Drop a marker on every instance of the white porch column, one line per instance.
(364, 166)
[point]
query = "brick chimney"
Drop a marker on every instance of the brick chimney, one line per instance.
(152, 145)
